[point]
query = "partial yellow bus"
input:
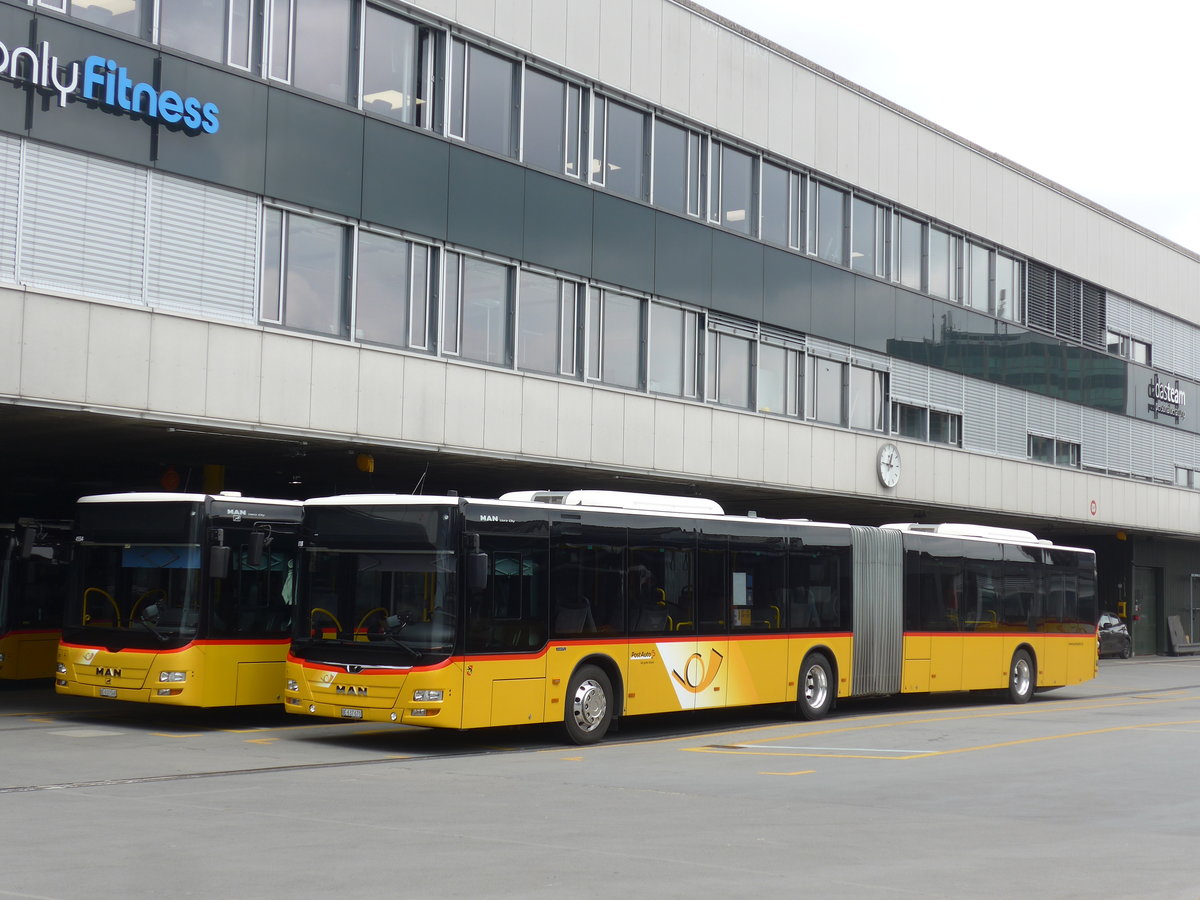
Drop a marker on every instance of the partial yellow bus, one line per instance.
(181, 599)
(34, 566)
(582, 607)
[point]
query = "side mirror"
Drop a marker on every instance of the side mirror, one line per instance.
(477, 571)
(256, 544)
(28, 537)
(218, 562)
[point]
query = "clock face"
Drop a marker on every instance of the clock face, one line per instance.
(889, 465)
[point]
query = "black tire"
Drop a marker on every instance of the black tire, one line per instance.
(815, 690)
(589, 706)
(1022, 677)
(1127, 649)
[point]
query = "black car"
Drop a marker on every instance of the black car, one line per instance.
(1114, 637)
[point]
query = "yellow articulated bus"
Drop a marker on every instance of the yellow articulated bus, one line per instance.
(580, 607)
(34, 565)
(184, 599)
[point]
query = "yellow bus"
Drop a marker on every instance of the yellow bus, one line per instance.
(580, 607)
(183, 599)
(34, 566)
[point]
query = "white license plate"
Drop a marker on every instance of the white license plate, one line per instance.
(351, 713)
(108, 692)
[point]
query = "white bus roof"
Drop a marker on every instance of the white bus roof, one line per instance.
(166, 497)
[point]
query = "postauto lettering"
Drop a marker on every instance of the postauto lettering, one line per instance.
(107, 83)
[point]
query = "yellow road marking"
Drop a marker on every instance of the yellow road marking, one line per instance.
(572, 758)
(740, 751)
(805, 772)
(261, 740)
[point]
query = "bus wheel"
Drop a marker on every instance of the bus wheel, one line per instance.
(1021, 679)
(815, 694)
(589, 706)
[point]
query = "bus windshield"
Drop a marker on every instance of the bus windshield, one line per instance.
(379, 586)
(394, 605)
(146, 589)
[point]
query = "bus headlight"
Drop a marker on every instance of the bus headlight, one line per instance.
(427, 696)
(1, 657)
(61, 668)
(172, 676)
(293, 685)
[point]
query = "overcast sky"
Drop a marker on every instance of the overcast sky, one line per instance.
(1100, 97)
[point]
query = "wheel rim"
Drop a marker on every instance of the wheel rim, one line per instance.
(1021, 677)
(816, 687)
(589, 705)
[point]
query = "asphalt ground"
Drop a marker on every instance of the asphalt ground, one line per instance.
(1090, 791)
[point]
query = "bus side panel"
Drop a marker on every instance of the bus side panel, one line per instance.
(504, 690)
(257, 671)
(914, 676)
(1052, 661)
(563, 659)
(1083, 658)
(757, 672)
(28, 654)
(650, 687)
(946, 662)
(984, 662)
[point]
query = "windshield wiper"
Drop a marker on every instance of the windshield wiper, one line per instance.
(148, 618)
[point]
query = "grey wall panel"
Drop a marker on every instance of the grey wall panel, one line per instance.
(114, 134)
(832, 303)
(1093, 446)
(909, 382)
(1141, 436)
(737, 275)
(979, 416)
(202, 249)
(83, 225)
(406, 178)
(622, 242)
(1119, 438)
(1012, 423)
(682, 259)
(314, 154)
(946, 390)
(236, 155)
(558, 223)
(487, 203)
(1068, 421)
(15, 102)
(874, 313)
(787, 290)
(10, 173)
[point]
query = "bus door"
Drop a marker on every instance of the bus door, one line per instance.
(667, 670)
(756, 610)
(504, 674)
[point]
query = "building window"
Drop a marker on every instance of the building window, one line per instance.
(1185, 477)
(677, 168)
(219, 30)
(128, 16)
(827, 222)
(1129, 348)
(868, 233)
(945, 428)
(780, 377)
(779, 205)
(547, 324)
(304, 273)
(616, 337)
(398, 68)
(310, 43)
(730, 363)
(618, 160)
(825, 390)
(868, 399)
(477, 310)
(674, 357)
(943, 263)
(1009, 285)
(483, 105)
(731, 200)
(910, 421)
(909, 252)
(1054, 452)
(979, 278)
(551, 124)
(393, 292)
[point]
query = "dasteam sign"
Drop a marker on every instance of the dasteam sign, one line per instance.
(1167, 399)
(105, 83)
(1155, 397)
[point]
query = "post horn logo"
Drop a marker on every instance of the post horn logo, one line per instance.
(696, 675)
